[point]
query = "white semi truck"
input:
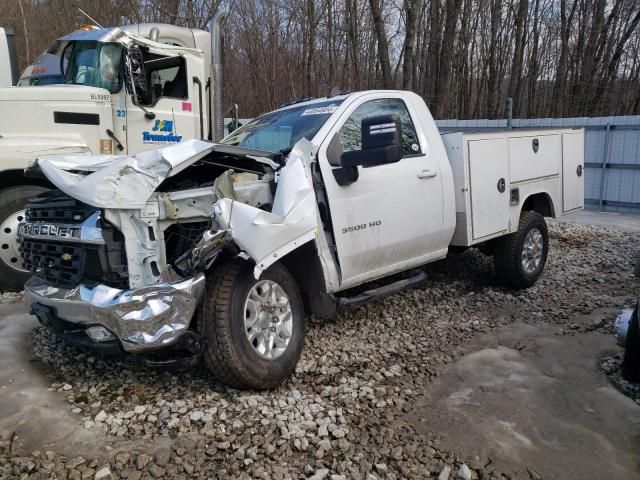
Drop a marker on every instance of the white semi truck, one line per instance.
(115, 91)
(221, 249)
(8, 58)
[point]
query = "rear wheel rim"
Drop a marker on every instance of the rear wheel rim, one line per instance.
(268, 319)
(532, 250)
(9, 244)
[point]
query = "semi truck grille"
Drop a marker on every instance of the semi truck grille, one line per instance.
(69, 262)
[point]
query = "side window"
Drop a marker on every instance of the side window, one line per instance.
(166, 77)
(350, 133)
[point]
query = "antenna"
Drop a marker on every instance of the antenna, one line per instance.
(87, 15)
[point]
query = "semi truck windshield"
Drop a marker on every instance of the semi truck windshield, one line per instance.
(279, 130)
(94, 64)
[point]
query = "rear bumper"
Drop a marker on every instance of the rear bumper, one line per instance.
(138, 320)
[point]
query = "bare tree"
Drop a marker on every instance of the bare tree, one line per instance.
(554, 57)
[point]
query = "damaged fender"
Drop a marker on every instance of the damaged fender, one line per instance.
(294, 220)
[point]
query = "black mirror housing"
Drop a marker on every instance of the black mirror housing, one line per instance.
(381, 143)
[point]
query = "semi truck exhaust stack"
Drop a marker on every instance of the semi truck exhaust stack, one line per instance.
(8, 58)
(217, 77)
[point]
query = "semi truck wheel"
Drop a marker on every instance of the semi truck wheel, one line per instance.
(520, 257)
(254, 328)
(12, 200)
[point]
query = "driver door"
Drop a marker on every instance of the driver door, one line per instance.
(383, 221)
(171, 98)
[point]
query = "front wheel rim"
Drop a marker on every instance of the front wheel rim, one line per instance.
(532, 250)
(9, 245)
(268, 319)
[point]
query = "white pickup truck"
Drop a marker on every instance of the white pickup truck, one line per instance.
(221, 250)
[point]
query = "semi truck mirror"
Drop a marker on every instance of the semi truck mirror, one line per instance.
(381, 142)
(135, 75)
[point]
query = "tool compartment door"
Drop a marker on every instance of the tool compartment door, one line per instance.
(572, 171)
(488, 173)
(533, 156)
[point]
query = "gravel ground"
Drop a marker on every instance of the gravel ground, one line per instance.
(343, 413)
(612, 366)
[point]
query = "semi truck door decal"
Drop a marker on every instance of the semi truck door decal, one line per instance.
(159, 137)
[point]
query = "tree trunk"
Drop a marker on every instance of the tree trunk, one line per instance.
(515, 79)
(411, 9)
(443, 84)
(383, 43)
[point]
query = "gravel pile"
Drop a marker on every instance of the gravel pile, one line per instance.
(343, 413)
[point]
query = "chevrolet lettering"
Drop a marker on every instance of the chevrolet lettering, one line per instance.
(45, 230)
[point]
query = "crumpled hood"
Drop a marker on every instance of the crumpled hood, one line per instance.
(123, 182)
(127, 182)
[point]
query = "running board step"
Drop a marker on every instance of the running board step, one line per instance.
(418, 279)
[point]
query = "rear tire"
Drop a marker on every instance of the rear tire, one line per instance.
(12, 201)
(246, 321)
(520, 257)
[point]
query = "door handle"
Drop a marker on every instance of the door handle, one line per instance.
(427, 173)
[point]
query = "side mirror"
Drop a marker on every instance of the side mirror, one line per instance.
(381, 142)
(135, 75)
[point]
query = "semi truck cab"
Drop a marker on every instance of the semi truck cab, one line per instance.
(115, 91)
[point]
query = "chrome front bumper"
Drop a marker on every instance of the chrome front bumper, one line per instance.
(142, 319)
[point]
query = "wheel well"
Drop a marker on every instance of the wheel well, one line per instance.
(13, 178)
(541, 203)
(305, 267)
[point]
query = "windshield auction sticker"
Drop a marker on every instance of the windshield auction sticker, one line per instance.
(320, 110)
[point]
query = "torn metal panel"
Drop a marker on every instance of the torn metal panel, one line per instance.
(124, 182)
(204, 254)
(245, 187)
(293, 220)
(120, 182)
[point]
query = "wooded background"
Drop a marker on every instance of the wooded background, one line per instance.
(555, 58)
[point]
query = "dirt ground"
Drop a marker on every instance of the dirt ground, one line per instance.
(517, 396)
(523, 395)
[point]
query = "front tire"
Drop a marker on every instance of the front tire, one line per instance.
(254, 328)
(520, 257)
(12, 201)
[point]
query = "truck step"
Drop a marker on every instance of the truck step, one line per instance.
(417, 279)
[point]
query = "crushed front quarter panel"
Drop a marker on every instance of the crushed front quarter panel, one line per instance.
(293, 221)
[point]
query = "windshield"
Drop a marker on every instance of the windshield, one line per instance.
(94, 64)
(45, 69)
(279, 130)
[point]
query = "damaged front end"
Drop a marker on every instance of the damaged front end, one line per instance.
(161, 221)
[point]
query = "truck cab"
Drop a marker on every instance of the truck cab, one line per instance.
(103, 91)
